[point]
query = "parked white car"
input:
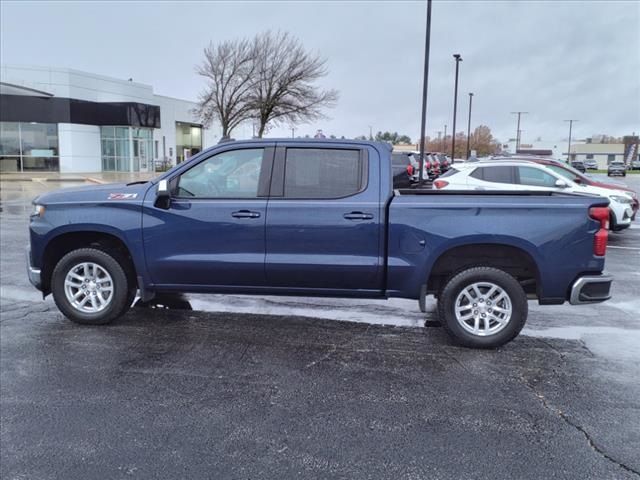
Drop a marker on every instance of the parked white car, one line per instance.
(506, 175)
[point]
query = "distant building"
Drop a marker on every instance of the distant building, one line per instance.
(603, 153)
(554, 149)
(406, 147)
(64, 120)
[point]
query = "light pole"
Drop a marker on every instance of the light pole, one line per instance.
(458, 58)
(370, 133)
(569, 147)
(469, 127)
(518, 129)
(425, 84)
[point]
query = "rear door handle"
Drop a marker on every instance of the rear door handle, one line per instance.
(245, 214)
(358, 216)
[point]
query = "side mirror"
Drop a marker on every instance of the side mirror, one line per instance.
(561, 184)
(578, 180)
(163, 195)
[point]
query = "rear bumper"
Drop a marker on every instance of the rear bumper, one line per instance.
(34, 274)
(591, 289)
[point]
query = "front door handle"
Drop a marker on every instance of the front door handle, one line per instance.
(358, 216)
(245, 214)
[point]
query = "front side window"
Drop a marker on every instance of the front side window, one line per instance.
(232, 174)
(535, 177)
(323, 173)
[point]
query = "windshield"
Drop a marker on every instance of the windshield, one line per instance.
(564, 172)
(568, 169)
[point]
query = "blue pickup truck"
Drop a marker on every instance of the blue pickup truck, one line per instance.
(317, 218)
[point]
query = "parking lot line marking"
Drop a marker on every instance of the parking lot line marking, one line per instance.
(624, 248)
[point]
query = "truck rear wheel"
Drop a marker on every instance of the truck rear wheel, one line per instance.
(482, 307)
(90, 287)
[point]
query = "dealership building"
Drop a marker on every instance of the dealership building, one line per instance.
(64, 120)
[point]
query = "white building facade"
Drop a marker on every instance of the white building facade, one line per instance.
(68, 121)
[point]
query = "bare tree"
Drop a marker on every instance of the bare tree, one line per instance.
(284, 90)
(229, 69)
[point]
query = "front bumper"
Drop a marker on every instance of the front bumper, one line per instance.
(591, 289)
(34, 274)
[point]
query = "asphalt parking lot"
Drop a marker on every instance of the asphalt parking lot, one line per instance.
(273, 387)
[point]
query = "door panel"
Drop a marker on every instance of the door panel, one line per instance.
(316, 243)
(205, 238)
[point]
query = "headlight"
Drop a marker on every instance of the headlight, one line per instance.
(38, 210)
(620, 199)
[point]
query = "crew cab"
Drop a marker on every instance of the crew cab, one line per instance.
(318, 218)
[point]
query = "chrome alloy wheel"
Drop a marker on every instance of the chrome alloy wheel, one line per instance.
(88, 287)
(483, 309)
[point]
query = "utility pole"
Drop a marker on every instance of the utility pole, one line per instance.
(444, 141)
(370, 132)
(569, 147)
(425, 84)
(518, 129)
(458, 58)
(469, 127)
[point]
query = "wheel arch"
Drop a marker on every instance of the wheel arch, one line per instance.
(514, 259)
(65, 242)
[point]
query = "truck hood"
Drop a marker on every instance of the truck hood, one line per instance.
(111, 192)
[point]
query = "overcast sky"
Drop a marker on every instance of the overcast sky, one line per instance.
(555, 59)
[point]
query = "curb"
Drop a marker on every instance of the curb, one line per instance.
(95, 180)
(44, 179)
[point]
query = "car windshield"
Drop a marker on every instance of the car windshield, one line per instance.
(565, 172)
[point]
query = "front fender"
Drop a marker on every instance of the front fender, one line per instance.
(122, 221)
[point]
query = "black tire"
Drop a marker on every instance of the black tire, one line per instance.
(457, 283)
(121, 289)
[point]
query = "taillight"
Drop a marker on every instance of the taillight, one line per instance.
(600, 239)
(410, 169)
(440, 183)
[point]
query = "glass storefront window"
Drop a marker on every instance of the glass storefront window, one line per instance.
(188, 140)
(29, 147)
(126, 149)
(9, 138)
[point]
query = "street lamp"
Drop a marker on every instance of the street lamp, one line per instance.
(569, 147)
(469, 127)
(458, 58)
(425, 84)
(518, 129)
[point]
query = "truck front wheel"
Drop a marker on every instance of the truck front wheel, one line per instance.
(482, 307)
(90, 287)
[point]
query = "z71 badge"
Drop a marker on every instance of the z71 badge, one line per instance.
(122, 196)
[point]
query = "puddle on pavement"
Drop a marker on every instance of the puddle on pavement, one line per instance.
(622, 344)
(610, 342)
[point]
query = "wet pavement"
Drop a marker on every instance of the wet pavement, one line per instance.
(225, 386)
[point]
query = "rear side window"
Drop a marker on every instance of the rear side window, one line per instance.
(497, 174)
(323, 173)
(448, 173)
